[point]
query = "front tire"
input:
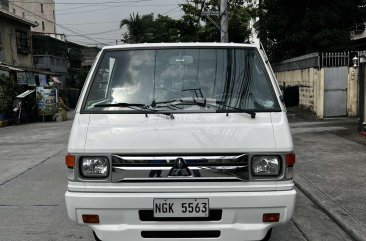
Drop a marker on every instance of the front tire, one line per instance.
(96, 237)
(268, 235)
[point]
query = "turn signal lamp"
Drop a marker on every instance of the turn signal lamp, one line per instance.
(271, 217)
(70, 161)
(290, 159)
(90, 218)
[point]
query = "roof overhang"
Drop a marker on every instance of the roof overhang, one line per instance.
(27, 69)
(11, 16)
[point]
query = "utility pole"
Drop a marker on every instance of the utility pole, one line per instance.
(362, 92)
(224, 21)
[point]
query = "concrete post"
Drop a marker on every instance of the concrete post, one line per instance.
(361, 98)
(224, 21)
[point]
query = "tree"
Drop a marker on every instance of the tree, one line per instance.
(203, 29)
(193, 25)
(139, 28)
(149, 29)
(290, 28)
(8, 92)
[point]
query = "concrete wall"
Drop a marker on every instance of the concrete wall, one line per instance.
(311, 85)
(9, 46)
(352, 92)
(30, 10)
(311, 89)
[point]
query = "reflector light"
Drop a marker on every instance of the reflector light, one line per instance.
(290, 159)
(271, 217)
(70, 161)
(90, 218)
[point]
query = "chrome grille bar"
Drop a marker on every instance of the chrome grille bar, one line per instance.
(200, 167)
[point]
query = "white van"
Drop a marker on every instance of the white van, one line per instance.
(185, 141)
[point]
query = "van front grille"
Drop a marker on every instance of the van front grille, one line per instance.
(224, 167)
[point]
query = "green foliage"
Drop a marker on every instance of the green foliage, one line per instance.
(80, 78)
(290, 28)
(191, 27)
(7, 94)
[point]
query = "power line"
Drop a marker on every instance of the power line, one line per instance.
(86, 3)
(61, 25)
(92, 4)
(91, 23)
(117, 21)
(116, 6)
(108, 31)
(171, 10)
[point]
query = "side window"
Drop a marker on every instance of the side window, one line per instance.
(262, 88)
(101, 81)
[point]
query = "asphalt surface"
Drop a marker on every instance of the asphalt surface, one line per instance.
(33, 183)
(331, 170)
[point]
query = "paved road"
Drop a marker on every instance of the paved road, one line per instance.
(33, 183)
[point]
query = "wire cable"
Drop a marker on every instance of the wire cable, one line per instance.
(59, 25)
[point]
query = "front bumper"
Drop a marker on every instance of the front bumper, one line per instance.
(242, 213)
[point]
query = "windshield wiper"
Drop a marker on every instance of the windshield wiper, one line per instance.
(121, 105)
(180, 102)
(143, 107)
(252, 113)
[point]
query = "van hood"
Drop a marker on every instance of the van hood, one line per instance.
(187, 133)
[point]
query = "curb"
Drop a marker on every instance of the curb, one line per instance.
(339, 215)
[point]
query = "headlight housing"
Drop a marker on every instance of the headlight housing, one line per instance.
(94, 166)
(266, 165)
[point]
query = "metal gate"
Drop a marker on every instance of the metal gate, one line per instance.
(335, 91)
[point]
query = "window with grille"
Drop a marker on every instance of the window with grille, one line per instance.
(22, 42)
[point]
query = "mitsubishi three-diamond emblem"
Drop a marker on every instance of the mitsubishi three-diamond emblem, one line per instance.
(180, 168)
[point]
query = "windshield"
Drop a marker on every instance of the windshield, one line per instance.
(181, 80)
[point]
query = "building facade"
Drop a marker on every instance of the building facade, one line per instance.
(15, 40)
(4, 4)
(40, 11)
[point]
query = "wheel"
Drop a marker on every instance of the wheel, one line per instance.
(96, 237)
(268, 235)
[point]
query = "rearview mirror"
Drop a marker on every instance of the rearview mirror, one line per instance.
(181, 60)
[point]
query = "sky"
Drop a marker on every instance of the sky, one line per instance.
(98, 20)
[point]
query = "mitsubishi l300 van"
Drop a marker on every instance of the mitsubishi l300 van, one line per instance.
(180, 142)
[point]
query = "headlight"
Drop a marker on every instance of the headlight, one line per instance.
(94, 166)
(266, 165)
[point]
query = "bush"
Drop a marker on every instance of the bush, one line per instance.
(7, 95)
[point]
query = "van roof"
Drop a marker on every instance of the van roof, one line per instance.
(162, 45)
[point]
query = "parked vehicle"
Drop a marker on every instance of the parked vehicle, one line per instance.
(181, 142)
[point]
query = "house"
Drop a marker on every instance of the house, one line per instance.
(89, 54)
(39, 11)
(15, 41)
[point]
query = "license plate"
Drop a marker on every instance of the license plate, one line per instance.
(180, 208)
